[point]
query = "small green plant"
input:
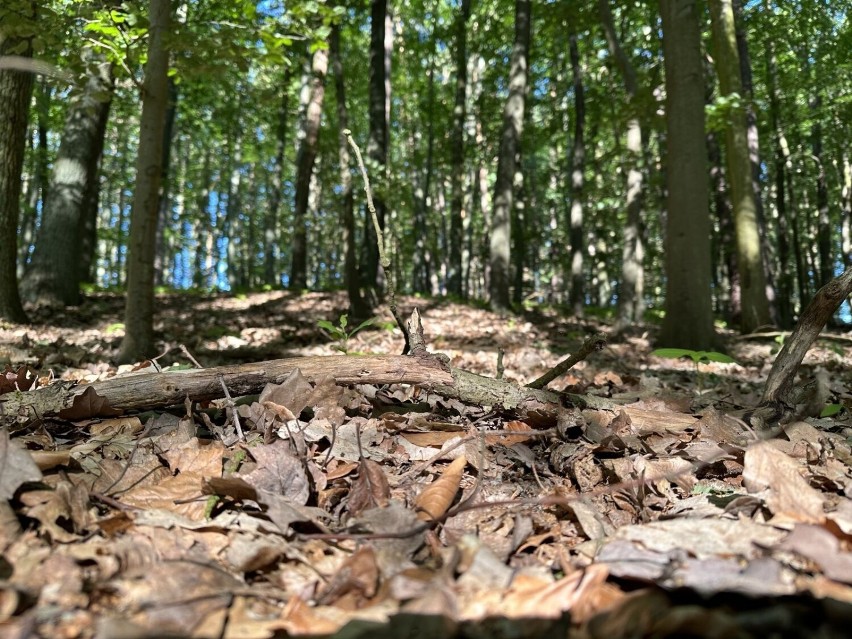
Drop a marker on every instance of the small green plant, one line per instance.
(697, 357)
(340, 333)
(830, 410)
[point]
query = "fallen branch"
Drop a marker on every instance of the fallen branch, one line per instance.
(777, 400)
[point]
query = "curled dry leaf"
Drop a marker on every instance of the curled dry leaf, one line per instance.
(436, 498)
(370, 490)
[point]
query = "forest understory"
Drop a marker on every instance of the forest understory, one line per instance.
(392, 510)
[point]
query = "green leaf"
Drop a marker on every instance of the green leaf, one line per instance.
(829, 410)
(713, 356)
(675, 353)
(327, 325)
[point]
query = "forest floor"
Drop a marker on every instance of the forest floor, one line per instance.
(390, 511)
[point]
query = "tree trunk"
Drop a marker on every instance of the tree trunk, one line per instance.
(15, 91)
(576, 238)
(755, 304)
(138, 342)
(305, 168)
(40, 172)
(454, 270)
(753, 137)
(271, 276)
(422, 258)
(513, 125)
(54, 274)
(164, 250)
(631, 304)
(824, 226)
(689, 313)
(381, 45)
(357, 307)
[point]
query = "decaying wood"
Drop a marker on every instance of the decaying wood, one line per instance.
(147, 391)
(778, 392)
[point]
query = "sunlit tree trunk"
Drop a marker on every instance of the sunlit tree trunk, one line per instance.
(824, 226)
(305, 159)
(54, 274)
(39, 173)
(201, 224)
(510, 140)
(15, 91)
(138, 339)
(753, 136)
(357, 307)
(271, 276)
(755, 304)
(381, 45)
(422, 258)
(689, 314)
(631, 303)
(578, 165)
(454, 265)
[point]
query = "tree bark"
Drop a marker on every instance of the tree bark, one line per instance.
(510, 140)
(381, 45)
(55, 272)
(577, 297)
(15, 91)
(271, 276)
(631, 304)
(305, 168)
(138, 342)
(755, 303)
(689, 314)
(454, 270)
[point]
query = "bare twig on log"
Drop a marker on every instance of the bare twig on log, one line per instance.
(594, 343)
(777, 394)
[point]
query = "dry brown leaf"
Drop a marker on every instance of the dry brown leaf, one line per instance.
(358, 576)
(510, 440)
(436, 498)
(370, 490)
(88, 404)
(431, 438)
(790, 496)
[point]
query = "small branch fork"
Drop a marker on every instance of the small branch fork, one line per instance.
(595, 343)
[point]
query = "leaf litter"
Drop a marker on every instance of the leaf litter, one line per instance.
(390, 510)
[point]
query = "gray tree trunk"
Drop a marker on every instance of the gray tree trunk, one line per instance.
(138, 342)
(15, 91)
(631, 289)
(510, 140)
(305, 167)
(689, 315)
(578, 161)
(55, 272)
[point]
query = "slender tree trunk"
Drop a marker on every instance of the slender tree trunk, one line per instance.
(824, 226)
(163, 252)
(271, 276)
(37, 185)
(92, 196)
(381, 45)
(749, 254)
(689, 312)
(15, 91)
(753, 136)
(631, 303)
(454, 266)
(54, 274)
(422, 272)
(510, 140)
(138, 339)
(357, 306)
(578, 166)
(305, 168)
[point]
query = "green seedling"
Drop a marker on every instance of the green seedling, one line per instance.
(830, 410)
(697, 357)
(340, 332)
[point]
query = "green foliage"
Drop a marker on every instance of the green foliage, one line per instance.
(340, 333)
(698, 357)
(830, 410)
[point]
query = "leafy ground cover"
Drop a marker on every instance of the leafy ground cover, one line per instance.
(390, 510)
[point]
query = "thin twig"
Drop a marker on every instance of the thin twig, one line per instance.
(595, 343)
(233, 408)
(384, 260)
